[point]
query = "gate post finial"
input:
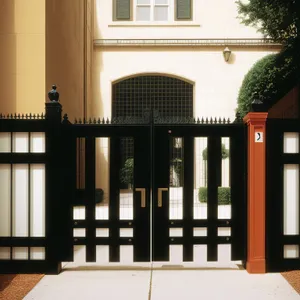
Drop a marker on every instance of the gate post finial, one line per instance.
(257, 105)
(53, 95)
(256, 198)
(53, 107)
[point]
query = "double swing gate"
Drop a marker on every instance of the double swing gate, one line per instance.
(153, 184)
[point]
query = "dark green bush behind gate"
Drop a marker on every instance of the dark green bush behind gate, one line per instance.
(224, 196)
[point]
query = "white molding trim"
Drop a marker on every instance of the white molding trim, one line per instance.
(156, 24)
(265, 43)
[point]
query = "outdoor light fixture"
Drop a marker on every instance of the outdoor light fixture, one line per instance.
(226, 53)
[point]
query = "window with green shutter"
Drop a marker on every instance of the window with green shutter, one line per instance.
(122, 10)
(183, 9)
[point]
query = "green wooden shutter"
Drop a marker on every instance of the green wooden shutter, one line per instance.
(123, 9)
(184, 9)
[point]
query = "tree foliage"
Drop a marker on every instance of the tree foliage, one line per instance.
(274, 75)
(277, 19)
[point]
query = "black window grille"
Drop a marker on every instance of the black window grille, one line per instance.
(170, 97)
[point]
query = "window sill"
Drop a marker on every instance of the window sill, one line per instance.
(154, 24)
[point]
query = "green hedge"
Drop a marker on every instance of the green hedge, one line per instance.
(223, 195)
(269, 79)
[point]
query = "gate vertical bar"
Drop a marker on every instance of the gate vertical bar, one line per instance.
(141, 211)
(274, 200)
(90, 186)
(238, 182)
(114, 203)
(188, 198)
(213, 167)
(160, 175)
(256, 256)
(68, 168)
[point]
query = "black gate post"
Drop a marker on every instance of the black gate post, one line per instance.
(54, 182)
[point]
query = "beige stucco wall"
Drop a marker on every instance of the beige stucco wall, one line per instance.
(22, 56)
(45, 42)
(89, 52)
(65, 52)
(216, 83)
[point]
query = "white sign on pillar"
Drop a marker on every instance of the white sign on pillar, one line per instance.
(259, 137)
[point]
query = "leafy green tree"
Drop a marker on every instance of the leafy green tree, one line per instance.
(274, 75)
(277, 19)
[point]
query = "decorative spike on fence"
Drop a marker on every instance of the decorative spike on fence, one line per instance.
(131, 120)
(65, 118)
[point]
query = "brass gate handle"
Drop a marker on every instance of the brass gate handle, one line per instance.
(143, 196)
(159, 195)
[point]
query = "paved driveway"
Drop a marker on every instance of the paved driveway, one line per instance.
(160, 284)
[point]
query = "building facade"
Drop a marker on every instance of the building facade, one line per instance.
(87, 46)
(126, 58)
(122, 58)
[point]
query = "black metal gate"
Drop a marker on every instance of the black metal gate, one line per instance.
(182, 182)
(159, 189)
(282, 191)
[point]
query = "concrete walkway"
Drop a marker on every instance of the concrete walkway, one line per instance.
(162, 284)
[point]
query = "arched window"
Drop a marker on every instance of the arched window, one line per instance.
(168, 96)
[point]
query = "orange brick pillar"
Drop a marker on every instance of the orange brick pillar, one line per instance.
(256, 202)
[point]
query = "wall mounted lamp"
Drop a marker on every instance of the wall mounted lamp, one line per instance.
(226, 54)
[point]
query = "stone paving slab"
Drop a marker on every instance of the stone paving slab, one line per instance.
(219, 285)
(88, 285)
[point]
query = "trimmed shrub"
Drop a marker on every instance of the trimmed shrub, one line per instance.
(223, 195)
(225, 152)
(269, 80)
